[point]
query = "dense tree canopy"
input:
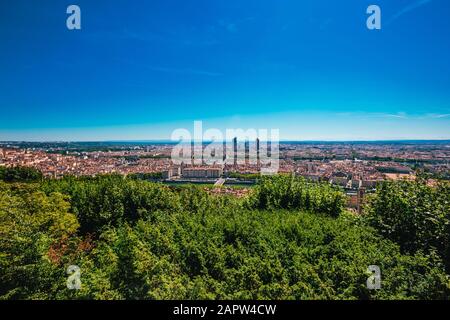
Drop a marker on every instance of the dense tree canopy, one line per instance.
(289, 239)
(19, 174)
(413, 214)
(31, 223)
(289, 192)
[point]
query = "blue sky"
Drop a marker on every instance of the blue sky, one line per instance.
(141, 69)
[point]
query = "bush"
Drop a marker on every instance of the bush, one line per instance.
(142, 240)
(413, 214)
(30, 224)
(251, 254)
(20, 174)
(288, 192)
(111, 200)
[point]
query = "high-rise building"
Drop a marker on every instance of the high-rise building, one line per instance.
(361, 193)
(235, 151)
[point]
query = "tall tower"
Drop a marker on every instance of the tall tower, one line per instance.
(258, 162)
(257, 147)
(361, 192)
(235, 150)
(247, 151)
(224, 149)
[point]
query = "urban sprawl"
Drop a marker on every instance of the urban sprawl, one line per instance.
(355, 166)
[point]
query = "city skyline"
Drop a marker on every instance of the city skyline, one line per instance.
(139, 71)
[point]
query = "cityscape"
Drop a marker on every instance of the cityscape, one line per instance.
(343, 163)
(353, 166)
(224, 159)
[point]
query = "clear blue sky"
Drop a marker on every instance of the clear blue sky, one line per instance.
(140, 69)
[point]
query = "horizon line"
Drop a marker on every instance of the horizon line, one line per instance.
(174, 142)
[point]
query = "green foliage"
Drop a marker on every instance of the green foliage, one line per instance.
(111, 200)
(19, 174)
(30, 223)
(245, 176)
(289, 192)
(146, 176)
(140, 240)
(413, 214)
(253, 255)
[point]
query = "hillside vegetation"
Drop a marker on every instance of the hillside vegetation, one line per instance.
(288, 239)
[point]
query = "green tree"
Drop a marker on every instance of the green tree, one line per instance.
(30, 224)
(19, 174)
(413, 214)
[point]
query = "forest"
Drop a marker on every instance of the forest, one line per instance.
(288, 239)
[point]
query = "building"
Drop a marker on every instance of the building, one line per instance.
(352, 200)
(202, 173)
(361, 193)
(355, 200)
(235, 152)
(311, 168)
(369, 184)
(171, 173)
(340, 179)
(356, 183)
